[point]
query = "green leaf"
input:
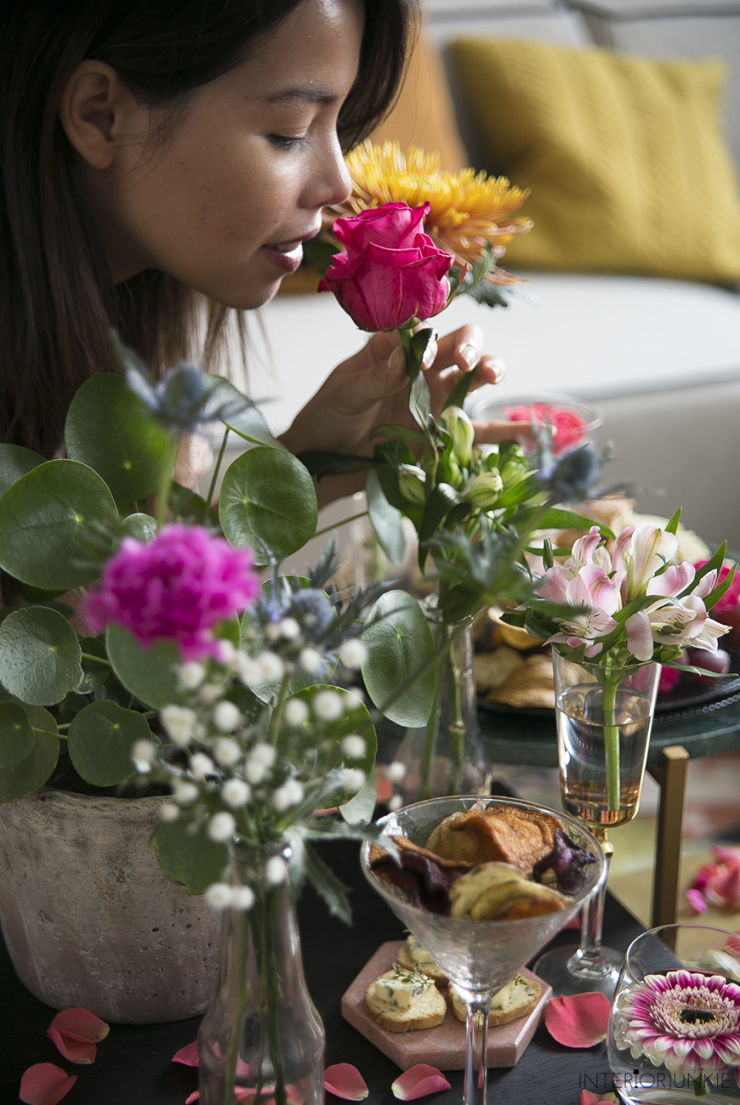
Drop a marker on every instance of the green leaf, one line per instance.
(326, 884)
(459, 393)
(150, 674)
(193, 861)
(16, 735)
(94, 675)
(360, 809)
(15, 461)
(189, 507)
(41, 515)
(438, 506)
(399, 433)
(673, 522)
(399, 641)
(141, 526)
(39, 656)
(239, 413)
(31, 773)
(386, 520)
(110, 430)
(268, 502)
(319, 254)
(322, 463)
(100, 741)
(555, 518)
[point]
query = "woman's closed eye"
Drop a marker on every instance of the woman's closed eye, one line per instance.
(287, 142)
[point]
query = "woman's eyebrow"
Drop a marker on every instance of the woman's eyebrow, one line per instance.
(312, 95)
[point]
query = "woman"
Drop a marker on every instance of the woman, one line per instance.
(162, 157)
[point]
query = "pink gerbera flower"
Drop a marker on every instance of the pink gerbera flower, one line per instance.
(687, 1022)
(178, 587)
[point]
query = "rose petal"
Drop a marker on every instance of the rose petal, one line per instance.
(193, 1097)
(80, 1024)
(187, 1055)
(344, 1080)
(588, 1098)
(574, 923)
(696, 900)
(77, 1051)
(419, 1081)
(45, 1084)
(733, 945)
(578, 1021)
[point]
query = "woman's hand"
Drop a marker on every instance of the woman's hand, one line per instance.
(371, 389)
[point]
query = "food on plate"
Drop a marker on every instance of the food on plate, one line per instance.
(405, 1000)
(491, 669)
(424, 877)
(528, 686)
(413, 954)
(506, 833)
(514, 1000)
(498, 892)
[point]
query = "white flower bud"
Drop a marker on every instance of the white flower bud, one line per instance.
(460, 429)
(352, 779)
(295, 712)
(260, 760)
(179, 721)
(411, 480)
(226, 652)
(327, 705)
(168, 812)
(288, 795)
(236, 793)
(395, 803)
(227, 751)
(271, 666)
(221, 827)
(395, 772)
(483, 491)
(242, 898)
(210, 693)
(202, 765)
(248, 670)
(310, 660)
(289, 629)
(354, 746)
(190, 676)
(184, 793)
(143, 754)
(353, 654)
(226, 716)
(272, 631)
(275, 871)
(219, 896)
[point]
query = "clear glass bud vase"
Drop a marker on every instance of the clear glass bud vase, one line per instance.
(446, 756)
(262, 1032)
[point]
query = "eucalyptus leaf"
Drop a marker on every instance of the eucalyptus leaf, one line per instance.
(16, 461)
(239, 413)
(111, 430)
(150, 674)
(16, 735)
(41, 515)
(39, 656)
(193, 861)
(31, 773)
(268, 502)
(386, 520)
(100, 742)
(399, 641)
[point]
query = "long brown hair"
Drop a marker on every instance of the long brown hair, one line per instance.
(57, 298)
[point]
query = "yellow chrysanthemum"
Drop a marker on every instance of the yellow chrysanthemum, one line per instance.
(468, 209)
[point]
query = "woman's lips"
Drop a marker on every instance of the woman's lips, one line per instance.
(286, 256)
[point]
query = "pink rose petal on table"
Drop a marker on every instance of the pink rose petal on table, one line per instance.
(578, 1021)
(344, 1080)
(696, 900)
(76, 1051)
(193, 1097)
(419, 1081)
(187, 1055)
(588, 1098)
(45, 1084)
(80, 1024)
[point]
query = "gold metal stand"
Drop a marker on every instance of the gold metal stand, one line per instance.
(670, 775)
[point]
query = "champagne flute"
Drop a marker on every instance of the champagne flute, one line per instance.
(478, 956)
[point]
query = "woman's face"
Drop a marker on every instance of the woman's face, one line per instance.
(224, 203)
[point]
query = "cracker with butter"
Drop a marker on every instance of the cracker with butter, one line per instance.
(514, 1000)
(403, 1000)
(413, 954)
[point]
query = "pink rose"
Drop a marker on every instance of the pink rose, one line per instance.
(390, 270)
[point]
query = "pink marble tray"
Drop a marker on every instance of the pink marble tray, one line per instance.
(443, 1046)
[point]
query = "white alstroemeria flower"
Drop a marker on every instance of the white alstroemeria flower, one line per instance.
(649, 549)
(675, 579)
(591, 588)
(588, 549)
(460, 429)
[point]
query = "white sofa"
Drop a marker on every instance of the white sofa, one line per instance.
(662, 357)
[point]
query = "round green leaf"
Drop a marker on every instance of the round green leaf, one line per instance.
(15, 461)
(94, 674)
(149, 673)
(40, 516)
(268, 502)
(399, 641)
(16, 735)
(39, 656)
(109, 429)
(141, 526)
(30, 774)
(100, 741)
(192, 861)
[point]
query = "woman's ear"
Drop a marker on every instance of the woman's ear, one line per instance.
(96, 112)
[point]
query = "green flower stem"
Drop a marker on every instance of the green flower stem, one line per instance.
(456, 726)
(344, 522)
(243, 993)
(164, 491)
(214, 477)
(46, 733)
(273, 729)
(611, 743)
(273, 999)
(96, 659)
(432, 734)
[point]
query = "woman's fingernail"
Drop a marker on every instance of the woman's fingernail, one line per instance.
(430, 354)
(469, 355)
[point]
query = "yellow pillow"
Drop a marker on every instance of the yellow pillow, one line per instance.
(624, 156)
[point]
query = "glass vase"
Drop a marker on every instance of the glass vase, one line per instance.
(604, 716)
(261, 1033)
(445, 757)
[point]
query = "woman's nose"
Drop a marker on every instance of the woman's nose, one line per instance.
(333, 177)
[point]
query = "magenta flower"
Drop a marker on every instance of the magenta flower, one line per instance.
(390, 270)
(685, 1021)
(178, 587)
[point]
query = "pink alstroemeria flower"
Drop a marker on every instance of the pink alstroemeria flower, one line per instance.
(649, 548)
(592, 588)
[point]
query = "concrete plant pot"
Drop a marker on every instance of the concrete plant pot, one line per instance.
(90, 920)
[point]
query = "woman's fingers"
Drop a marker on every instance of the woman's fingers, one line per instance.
(491, 433)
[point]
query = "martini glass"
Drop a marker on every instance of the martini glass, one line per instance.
(478, 956)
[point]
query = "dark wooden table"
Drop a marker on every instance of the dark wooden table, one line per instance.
(134, 1063)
